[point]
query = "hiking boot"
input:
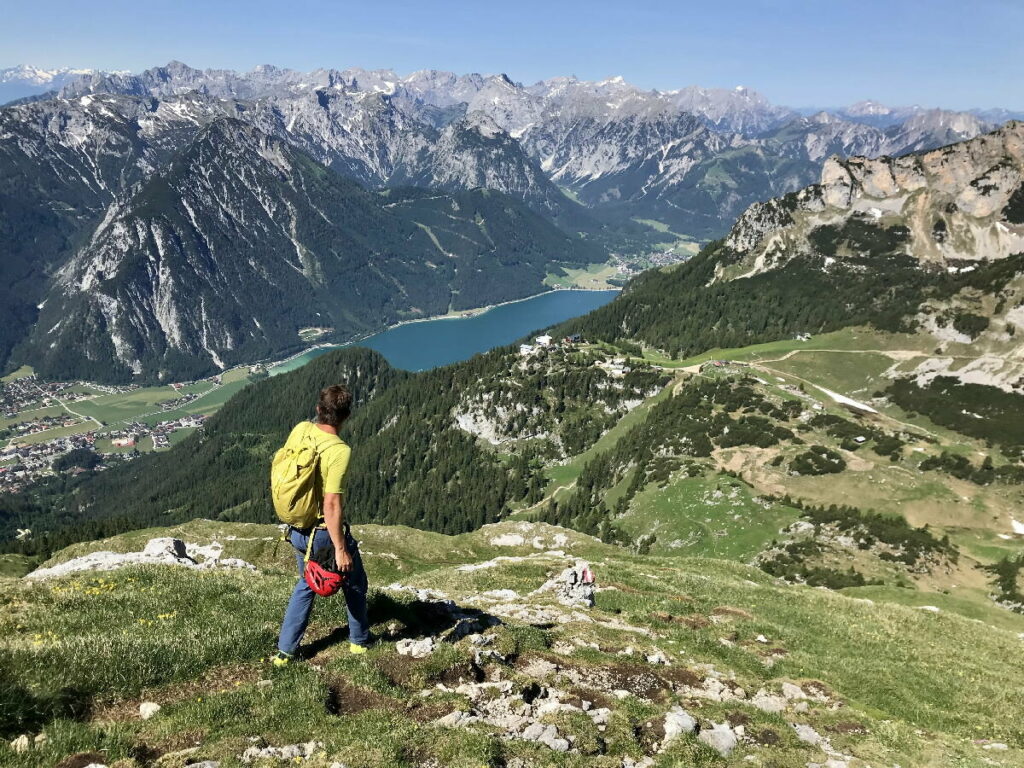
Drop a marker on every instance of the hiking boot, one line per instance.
(281, 659)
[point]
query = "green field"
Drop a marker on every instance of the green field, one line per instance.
(715, 516)
(14, 566)
(56, 432)
(21, 373)
(128, 406)
(141, 404)
(35, 413)
(853, 339)
(591, 277)
(854, 374)
(114, 410)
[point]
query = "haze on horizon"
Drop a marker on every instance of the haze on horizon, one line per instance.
(799, 53)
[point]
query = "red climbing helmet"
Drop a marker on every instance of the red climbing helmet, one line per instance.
(322, 581)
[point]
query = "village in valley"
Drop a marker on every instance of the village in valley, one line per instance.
(48, 427)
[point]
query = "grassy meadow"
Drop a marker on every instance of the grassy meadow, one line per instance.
(901, 685)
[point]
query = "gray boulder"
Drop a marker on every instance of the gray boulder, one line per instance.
(679, 722)
(720, 738)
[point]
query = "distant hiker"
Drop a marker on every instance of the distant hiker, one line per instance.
(306, 486)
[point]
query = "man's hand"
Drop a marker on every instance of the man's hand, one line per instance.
(343, 559)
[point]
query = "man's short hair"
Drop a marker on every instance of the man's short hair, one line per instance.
(334, 405)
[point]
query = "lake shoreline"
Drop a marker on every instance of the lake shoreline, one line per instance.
(461, 314)
(275, 368)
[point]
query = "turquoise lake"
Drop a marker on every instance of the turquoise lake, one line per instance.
(432, 343)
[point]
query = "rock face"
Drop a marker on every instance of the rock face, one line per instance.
(952, 206)
(719, 737)
(162, 551)
(610, 142)
(679, 722)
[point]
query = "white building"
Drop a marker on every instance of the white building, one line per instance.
(543, 341)
(525, 349)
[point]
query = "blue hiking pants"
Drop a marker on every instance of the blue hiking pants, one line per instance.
(296, 616)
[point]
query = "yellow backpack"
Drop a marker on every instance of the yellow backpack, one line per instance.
(293, 480)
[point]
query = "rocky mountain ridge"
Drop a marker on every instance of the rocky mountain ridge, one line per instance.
(27, 81)
(694, 157)
(627, 156)
(953, 206)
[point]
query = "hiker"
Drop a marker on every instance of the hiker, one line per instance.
(318, 530)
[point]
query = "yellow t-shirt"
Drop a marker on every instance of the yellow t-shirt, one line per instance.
(334, 456)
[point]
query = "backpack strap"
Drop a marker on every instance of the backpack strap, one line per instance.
(309, 544)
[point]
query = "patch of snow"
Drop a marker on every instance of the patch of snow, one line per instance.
(844, 400)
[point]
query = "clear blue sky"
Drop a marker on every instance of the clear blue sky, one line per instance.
(947, 53)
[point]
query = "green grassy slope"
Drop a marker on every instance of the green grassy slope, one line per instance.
(899, 685)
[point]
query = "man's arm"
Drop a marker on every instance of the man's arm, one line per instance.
(333, 519)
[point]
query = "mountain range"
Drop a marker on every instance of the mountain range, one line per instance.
(923, 255)
(121, 193)
(764, 508)
(693, 158)
(25, 81)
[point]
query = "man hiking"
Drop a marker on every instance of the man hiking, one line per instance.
(327, 529)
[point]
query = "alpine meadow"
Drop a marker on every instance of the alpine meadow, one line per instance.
(763, 506)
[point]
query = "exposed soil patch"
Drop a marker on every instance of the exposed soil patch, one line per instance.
(817, 688)
(215, 680)
(738, 717)
(426, 711)
(628, 589)
(409, 673)
(343, 698)
(683, 676)
(694, 621)
(598, 699)
(766, 737)
(457, 674)
(399, 670)
(640, 681)
(650, 734)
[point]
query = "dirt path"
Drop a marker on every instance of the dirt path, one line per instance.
(892, 354)
(879, 414)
